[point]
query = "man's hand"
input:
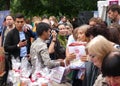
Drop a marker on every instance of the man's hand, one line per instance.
(26, 28)
(22, 44)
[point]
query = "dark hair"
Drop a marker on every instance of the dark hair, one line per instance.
(44, 17)
(115, 25)
(114, 35)
(9, 15)
(41, 27)
(19, 15)
(114, 8)
(98, 30)
(111, 64)
(75, 23)
(61, 17)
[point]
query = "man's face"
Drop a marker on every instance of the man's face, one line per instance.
(9, 21)
(112, 15)
(64, 19)
(19, 23)
(46, 34)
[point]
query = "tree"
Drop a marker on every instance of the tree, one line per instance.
(52, 7)
(4, 4)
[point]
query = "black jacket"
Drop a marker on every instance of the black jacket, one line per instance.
(91, 74)
(12, 39)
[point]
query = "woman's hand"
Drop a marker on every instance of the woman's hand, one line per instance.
(71, 56)
(84, 58)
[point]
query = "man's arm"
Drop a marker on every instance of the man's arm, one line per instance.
(8, 43)
(46, 59)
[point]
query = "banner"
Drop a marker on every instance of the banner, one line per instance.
(111, 2)
(3, 14)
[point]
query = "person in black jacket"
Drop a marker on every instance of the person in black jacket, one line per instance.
(17, 42)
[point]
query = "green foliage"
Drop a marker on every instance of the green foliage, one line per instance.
(4, 4)
(51, 7)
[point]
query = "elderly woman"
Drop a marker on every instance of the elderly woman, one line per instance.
(97, 49)
(79, 36)
(110, 68)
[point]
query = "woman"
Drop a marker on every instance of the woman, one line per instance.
(53, 21)
(58, 43)
(79, 36)
(97, 49)
(69, 29)
(110, 68)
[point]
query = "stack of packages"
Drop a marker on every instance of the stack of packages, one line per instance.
(21, 74)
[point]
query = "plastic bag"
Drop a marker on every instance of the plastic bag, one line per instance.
(77, 64)
(15, 63)
(26, 68)
(13, 78)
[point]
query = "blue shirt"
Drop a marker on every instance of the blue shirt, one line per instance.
(23, 50)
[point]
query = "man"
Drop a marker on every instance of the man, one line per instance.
(62, 20)
(9, 26)
(17, 42)
(114, 13)
(39, 48)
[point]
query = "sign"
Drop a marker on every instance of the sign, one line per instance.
(3, 14)
(77, 48)
(58, 74)
(111, 2)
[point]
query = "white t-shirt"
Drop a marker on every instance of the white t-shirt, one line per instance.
(70, 40)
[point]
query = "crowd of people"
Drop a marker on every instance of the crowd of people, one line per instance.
(47, 41)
